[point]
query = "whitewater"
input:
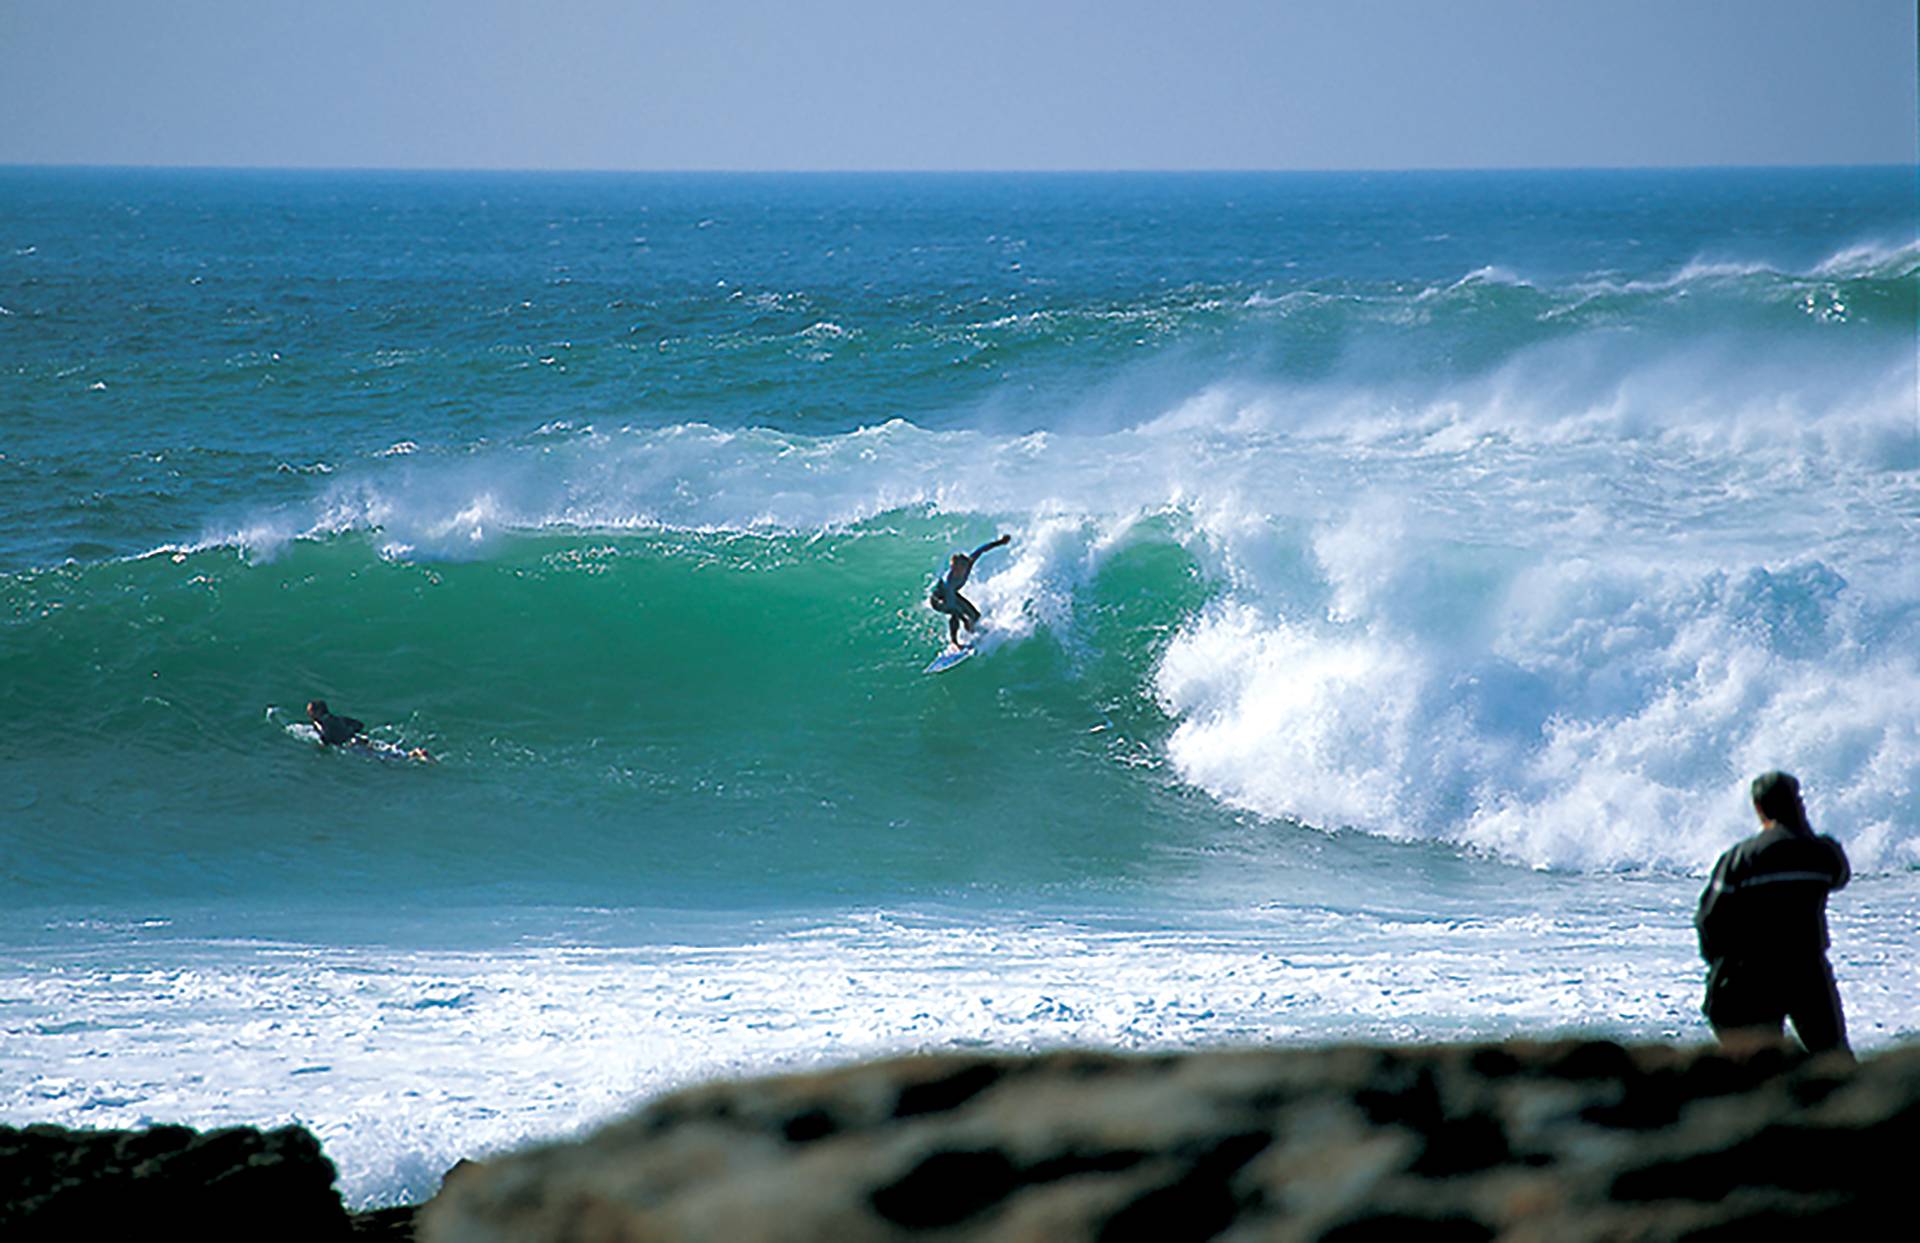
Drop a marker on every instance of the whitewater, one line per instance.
(1408, 574)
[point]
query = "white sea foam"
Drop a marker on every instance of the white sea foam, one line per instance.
(1479, 277)
(1595, 714)
(1866, 261)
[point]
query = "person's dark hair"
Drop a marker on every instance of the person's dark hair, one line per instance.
(316, 707)
(1776, 795)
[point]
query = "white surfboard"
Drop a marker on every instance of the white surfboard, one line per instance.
(948, 659)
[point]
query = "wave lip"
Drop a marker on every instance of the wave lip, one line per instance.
(1870, 261)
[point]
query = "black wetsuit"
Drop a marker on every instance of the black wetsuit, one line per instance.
(945, 598)
(1763, 932)
(338, 730)
(945, 595)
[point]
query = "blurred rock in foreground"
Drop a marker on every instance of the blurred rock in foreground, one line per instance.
(167, 1181)
(1518, 1141)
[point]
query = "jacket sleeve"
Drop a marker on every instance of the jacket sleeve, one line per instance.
(1711, 919)
(1842, 870)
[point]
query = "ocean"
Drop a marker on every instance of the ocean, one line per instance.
(1408, 573)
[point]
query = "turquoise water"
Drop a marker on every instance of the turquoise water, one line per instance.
(1408, 571)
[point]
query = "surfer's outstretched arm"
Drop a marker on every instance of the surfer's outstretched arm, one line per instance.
(989, 546)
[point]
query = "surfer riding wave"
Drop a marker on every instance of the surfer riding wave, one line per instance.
(945, 596)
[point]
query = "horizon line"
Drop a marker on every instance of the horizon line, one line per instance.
(854, 171)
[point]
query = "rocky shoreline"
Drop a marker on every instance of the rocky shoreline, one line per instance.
(232, 1183)
(1571, 1140)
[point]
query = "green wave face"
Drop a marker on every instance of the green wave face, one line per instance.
(659, 712)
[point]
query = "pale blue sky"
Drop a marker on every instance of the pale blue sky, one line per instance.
(986, 84)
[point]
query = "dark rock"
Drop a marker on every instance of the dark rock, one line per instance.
(1187, 1209)
(949, 1092)
(1462, 1146)
(1198, 1204)
(1593, 1059)
(1071, 1164)
(383, 1225)
(232, 1183)
(1585, 1141)
(947, 1187)
(1399, 1227)
(1402, 1094)
(809, 1125)
(1637, 1107)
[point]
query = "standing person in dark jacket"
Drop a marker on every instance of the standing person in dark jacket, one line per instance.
(1763, 925)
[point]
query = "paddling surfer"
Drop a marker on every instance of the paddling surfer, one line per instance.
(335, 731)
(946, 598)
(341, 731)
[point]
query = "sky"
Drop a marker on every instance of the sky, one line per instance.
(985, 84)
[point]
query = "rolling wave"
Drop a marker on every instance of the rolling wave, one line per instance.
(1551, 585)
(1458, 647)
